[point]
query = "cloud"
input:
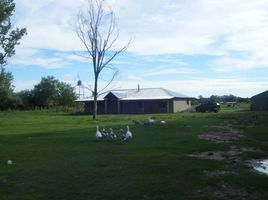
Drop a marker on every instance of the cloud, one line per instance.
(50, 24)
(164, 59)
(33, 57)
(233, 34)
(203, 27)
(170, 70)
(73, 56)
(23, 85)
(133, 78)
(197, 27)
(172, 27)
(229, 63)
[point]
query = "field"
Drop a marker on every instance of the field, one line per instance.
(193, 156)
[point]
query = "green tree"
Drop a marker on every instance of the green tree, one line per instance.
(215, 98)
(7, 97)
(5, 88)
(8, 38)
(27, 100)
(66, 94)
(50, 92)
(45, 92)
(229, 98)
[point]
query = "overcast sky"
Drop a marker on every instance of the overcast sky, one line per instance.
(194, 47)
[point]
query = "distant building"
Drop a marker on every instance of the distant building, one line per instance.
(260, 101)
(139, 101)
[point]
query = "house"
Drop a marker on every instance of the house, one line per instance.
(260, 101)
(139, 101)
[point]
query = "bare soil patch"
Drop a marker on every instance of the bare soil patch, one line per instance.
(220, 137)
(216, 173)
(231, 157)
(226, 134)
(226, 191)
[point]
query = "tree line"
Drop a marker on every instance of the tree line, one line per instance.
(221, 99)
(48, 93)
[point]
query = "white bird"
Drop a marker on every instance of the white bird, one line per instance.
(98, 133)
(104, 133)
(163, 122)
(151, 121)
(9, 162)
(112, 134)
(128, 134)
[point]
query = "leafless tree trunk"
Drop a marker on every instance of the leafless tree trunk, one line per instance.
(97, 30)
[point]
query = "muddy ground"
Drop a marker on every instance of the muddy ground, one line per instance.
(226, 133)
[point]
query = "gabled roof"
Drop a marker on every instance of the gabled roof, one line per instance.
(146, 93)
(141, 94)
(100, 97)
(260, 94)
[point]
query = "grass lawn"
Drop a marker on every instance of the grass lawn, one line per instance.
(56, 156)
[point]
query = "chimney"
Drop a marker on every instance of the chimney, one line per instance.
(138, 87)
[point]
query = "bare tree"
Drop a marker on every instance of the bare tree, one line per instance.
(97, 30)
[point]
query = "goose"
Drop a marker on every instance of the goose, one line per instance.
(98, 133)
(104, 133)
(151, 121)
(112, 134)
(128, 134)
(163, 122)
(9, 162)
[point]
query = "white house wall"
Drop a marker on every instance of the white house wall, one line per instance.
(181, 105)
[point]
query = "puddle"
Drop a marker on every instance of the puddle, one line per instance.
(261, 166)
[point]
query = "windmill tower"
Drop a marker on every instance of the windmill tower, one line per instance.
(80, 87)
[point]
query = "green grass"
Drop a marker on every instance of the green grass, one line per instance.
(56, 156)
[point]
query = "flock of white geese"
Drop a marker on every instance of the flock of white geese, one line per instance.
(105, 134)
(123, 136)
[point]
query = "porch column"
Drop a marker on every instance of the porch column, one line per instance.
(118, 107)
(167, 106)
(105, 106)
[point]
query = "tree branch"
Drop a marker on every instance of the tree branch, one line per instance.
(98, 32)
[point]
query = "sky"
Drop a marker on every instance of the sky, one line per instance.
(193, 47)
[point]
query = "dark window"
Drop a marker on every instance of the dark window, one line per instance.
(188, 101)
(139, 105)
(162, 104)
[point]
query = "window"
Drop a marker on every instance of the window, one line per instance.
(163, 105)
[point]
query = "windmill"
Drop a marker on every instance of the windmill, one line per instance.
(79, 84)
(81, 87)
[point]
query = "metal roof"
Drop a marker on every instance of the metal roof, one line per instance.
(100, 98)
(140, 94)
(260, 94)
